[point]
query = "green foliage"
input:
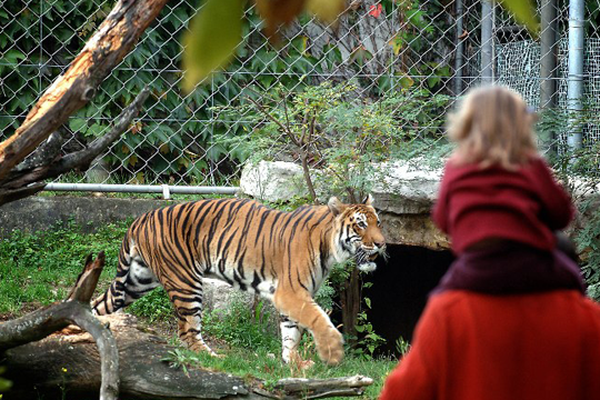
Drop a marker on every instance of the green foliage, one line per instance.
(5, 384)
(402, 346)
(214, 34)
(369, 340)
(242, 326)
(325, 296)
(579, 171)
(41, 267)
(588, 243)
(557, 123)
(180, 358)
(339, 133)
(524, 13)
(155, 306)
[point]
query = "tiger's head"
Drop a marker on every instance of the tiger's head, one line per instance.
(357, 232)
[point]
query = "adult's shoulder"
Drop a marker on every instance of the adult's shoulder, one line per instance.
(448, 300)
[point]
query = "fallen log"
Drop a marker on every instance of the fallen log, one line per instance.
(67, 365)
(75, 310)
(117, 357)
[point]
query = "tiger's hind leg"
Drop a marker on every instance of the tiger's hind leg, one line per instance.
(134, 279)
(291, 333)
(186, 296)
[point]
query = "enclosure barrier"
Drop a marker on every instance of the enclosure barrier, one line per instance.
(165, 190)
(398, 67)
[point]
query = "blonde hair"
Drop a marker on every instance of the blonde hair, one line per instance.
(493, 127)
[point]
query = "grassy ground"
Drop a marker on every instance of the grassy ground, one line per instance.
(40, 268)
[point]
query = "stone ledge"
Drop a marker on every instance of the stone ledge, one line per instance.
(41, 213)
(404, 199)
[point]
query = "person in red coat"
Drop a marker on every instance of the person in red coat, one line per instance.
(510, 319)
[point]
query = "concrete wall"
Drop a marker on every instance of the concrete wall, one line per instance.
(40, 213)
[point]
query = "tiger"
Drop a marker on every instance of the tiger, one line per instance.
(281, 256)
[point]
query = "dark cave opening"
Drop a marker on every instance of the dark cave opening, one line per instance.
(401, 285)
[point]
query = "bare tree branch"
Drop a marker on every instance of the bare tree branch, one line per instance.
(82, 158)
(44, 168)
(284, 129)
(114, 39)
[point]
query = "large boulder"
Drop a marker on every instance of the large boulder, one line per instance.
(273, 181)
(406, 188)
(403, 193)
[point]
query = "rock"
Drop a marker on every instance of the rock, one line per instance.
(403, 196)
(405, 189)
(217, 295)
(273, 181)
(220, 296)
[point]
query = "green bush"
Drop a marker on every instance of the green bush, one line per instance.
(334, 130)
(155, 306)
(588, 243)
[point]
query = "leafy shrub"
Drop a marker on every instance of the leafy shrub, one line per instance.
(588, 243)
(579, 170)
(335, 130)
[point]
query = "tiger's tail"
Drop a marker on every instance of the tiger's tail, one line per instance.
(113, 298)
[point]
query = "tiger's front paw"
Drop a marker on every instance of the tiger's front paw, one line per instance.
(330, 347)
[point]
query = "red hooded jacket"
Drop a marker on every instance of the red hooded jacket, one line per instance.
(525, 205)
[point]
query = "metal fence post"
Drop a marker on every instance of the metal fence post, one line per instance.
(548, 45)
(458, 59)
(487, 44)
(575, 81)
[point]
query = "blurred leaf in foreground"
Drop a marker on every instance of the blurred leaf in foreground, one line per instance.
(209, 44)
(524, 13)
(326, 10)
(277, 13)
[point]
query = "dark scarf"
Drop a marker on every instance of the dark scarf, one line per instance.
(512, 268)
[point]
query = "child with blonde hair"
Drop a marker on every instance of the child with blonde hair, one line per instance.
(499, 201)
(509, 320)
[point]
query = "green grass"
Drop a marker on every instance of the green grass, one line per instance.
(260, 363)
(39, 268)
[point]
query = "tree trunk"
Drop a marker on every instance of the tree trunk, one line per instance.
(350, 301)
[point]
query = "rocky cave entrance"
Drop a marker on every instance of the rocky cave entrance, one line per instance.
(400, 289)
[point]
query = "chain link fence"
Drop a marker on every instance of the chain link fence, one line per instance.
(375, 87)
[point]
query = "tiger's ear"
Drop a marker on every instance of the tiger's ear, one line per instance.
(336, 206)
(368, 200)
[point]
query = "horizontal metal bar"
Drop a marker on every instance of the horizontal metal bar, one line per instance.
(92, 187)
